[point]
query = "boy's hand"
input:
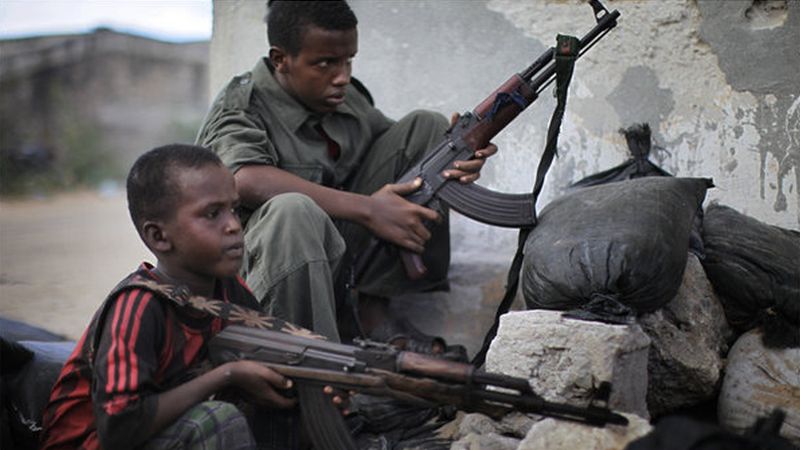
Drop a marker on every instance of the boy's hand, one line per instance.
(469, 171)
(396, 220)
(401, 222)
(261, 382)
(339, 398)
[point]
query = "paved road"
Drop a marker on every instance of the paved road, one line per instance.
(60, 256)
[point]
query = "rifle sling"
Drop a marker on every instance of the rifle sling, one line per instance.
(227, 311)
(566, 54)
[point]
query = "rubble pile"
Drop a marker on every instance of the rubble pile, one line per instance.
(711, 355)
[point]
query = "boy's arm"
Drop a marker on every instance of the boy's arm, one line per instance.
(241, 141)
(260, 383)
(385, 213)
(128, 406)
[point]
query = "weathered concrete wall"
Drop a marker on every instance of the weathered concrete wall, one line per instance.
(134, 92)
(716, 80)
(238, 39)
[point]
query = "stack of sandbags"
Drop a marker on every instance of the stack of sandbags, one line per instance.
(616, 247)
(755, 270)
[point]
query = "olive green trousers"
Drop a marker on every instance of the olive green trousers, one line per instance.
(297, 257)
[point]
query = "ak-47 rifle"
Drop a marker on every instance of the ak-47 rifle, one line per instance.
(474, 130)
(380, 369)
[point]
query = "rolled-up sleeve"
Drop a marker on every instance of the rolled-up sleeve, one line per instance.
(237, 138)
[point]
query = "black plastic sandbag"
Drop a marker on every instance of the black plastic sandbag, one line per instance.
(640, 144)
(686, 433)
(755, 270)
(638, 137)
(380, 423)
(626, 240)
(26, 388)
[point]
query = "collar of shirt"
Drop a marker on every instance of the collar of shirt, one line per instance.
(294, 114)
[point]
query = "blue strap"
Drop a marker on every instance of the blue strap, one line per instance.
(503, 98)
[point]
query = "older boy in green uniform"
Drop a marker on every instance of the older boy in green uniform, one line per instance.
(314, 163)
(138, 378)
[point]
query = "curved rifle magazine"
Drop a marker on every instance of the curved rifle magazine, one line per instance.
(322, 420)
(488, 206)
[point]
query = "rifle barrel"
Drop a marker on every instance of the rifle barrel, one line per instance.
(535, 405)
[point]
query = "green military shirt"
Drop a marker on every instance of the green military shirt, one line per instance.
(255, 121)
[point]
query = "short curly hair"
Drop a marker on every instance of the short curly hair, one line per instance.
(287, 20)
(153, 192)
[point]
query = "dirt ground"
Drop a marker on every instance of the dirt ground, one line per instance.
(60, 256)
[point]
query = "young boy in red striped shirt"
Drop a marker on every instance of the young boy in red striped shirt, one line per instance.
(138, 377)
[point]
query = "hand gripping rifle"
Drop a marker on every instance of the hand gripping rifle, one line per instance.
(379, 369)
(475, 129)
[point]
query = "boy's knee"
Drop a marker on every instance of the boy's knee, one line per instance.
(292, 208)
(296, 205)
(428, 120)
(217, 412)
(296, 222)
(420, 130)
(210, 424)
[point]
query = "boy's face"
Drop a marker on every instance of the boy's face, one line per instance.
(205, 231)
(319, 73)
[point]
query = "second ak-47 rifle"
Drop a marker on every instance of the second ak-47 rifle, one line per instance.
(380, 369)
(476, 128)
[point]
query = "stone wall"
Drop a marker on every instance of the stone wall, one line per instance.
(133, 92)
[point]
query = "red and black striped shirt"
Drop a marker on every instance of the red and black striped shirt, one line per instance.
(144, 344)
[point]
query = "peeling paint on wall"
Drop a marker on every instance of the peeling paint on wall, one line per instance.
(685, 67)
(756, 42)
(653, 104)
(767, 14)
(765, 34)
(780, 116)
